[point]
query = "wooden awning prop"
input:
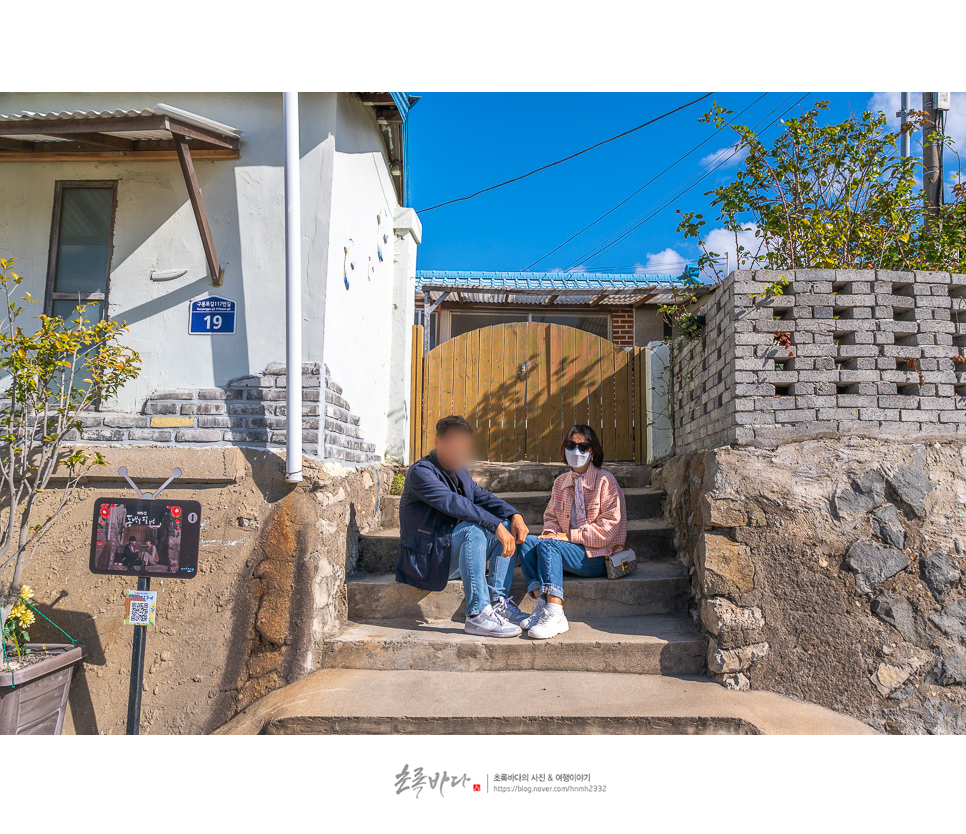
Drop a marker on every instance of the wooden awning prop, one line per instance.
(161, 133)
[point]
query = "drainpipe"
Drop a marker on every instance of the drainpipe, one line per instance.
(293, 292)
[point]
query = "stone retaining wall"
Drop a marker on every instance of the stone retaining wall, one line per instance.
(250, 411)
(831, 570)
(835, 351)
(269, 590)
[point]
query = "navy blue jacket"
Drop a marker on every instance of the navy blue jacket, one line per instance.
(429, 509)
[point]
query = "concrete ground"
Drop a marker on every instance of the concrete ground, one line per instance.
(406, 702)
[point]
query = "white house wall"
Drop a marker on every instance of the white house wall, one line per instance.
(346, 184)
(358, 320)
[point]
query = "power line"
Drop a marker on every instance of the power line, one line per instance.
(639, 190)
(596, 253)
(660, 205)
(566, 158)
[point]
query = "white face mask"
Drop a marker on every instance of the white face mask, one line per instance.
(577, 459)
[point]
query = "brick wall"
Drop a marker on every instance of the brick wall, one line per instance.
(843, 352)
(622, 327)
(248, 411)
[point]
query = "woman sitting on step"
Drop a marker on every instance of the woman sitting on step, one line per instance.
(584, 521)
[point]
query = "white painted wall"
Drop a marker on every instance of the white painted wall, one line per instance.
(358, 320)
(345, 185)
(409, 233)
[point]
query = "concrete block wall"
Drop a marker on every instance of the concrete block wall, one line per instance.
(876, 353)
(249, 411)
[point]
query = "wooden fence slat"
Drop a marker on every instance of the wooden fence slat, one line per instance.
(622, 415)
(608, 390)
(483, 386)
(582, 369)
(459, 376)
(519, 377)
(498, 405)
(416, 394)
(538, 400)
(594, 384)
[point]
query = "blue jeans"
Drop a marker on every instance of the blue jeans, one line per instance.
(473, 551)
(544, 565)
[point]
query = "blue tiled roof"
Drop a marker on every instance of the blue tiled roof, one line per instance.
(542, 280)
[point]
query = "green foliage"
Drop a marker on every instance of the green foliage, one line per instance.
(680, 314)
(398, 482)
(50, 373)
(831, 197)
(773, 290)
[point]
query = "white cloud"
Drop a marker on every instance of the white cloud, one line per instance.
(668, 262)
(722, 242)
(728, 157)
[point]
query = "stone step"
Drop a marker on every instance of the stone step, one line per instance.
(642, 502)
(659, 587)
(340, 701)
(539, 477)
(649, 538)
(653, 645)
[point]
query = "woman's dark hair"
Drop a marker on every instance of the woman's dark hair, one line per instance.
(448, 424)
(596, 448)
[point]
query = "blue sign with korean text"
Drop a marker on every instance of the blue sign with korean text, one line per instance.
(211, 316)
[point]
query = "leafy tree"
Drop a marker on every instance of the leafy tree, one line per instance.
(49, 374)
(832, 197)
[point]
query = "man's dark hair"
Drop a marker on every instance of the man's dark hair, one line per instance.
(452, 423)
(596, 447)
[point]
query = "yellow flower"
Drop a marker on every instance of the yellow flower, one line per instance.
(18, 611)
(27, 619)
(26, 592)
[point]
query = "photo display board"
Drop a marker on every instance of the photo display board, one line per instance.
(134, 537)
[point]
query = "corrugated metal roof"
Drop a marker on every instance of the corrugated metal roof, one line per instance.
(551, 281)
(174, 113)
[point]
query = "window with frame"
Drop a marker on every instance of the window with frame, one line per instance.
(81, 244)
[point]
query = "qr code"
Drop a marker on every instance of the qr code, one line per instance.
(140, 612)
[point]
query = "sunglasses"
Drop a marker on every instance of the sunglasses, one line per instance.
(570, 446)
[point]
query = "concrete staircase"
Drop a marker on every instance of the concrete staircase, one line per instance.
(630, 663)
(638, 624)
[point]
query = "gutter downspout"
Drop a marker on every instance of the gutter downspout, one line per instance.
(293, 292)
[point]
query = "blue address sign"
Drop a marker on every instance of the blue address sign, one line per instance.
(211, 316)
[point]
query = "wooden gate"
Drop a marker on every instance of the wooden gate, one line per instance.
(522, 385)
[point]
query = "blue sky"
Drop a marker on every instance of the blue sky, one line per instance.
(462, 142)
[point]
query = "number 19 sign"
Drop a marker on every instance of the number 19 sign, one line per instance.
(211, 316)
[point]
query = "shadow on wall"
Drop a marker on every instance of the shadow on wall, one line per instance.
(82, 627)
(170, 215)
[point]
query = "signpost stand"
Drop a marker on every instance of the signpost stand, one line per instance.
(137, 669)
(140, 631)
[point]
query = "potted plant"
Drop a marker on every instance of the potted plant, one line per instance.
(52, 370)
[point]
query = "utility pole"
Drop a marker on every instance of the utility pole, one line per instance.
(935, 106)
(905, 139)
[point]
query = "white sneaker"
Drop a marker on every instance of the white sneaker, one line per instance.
(532, 619)
(551, 623)
(488, 623)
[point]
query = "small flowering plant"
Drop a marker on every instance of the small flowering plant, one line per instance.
(52, 370)
(20, 618)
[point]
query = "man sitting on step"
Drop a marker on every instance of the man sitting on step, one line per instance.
(451, 528)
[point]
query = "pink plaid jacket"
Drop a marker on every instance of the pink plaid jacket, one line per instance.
(606, 526)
